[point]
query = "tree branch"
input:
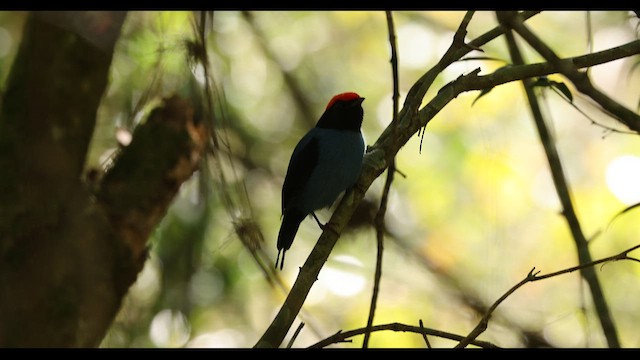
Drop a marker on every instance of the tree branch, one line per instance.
(531, 277)
(579, 79)
(343, 336)
(380, 155)
(564, 194)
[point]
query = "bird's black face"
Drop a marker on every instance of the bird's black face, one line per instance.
(343, 115)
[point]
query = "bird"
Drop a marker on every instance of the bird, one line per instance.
(325, 163)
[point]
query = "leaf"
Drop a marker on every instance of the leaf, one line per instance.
(625, 210)
(563, 89)
(543, 81)
(482, 93)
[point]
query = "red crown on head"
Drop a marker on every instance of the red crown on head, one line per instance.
(346, 96)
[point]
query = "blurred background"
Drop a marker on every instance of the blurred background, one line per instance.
(472, 212)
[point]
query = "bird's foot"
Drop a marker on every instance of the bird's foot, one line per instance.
(326, 226)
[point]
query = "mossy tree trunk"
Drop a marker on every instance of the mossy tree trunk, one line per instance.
(69, 250)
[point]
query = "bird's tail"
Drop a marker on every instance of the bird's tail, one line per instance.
(290, 224)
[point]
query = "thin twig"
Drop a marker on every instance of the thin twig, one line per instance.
(606, 129)
(341, 336)
(621, 256)
(482, 325)
(424, 335)
(531, 277)
(295, 335)
(379, 219)
(456, 50)
(453, 287)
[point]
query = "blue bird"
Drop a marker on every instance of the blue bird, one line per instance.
(326, 162)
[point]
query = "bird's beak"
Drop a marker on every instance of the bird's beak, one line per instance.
(359, 101)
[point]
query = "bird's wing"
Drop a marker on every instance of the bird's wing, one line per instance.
(303, 160)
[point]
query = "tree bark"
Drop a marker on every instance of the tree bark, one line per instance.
(70, 250)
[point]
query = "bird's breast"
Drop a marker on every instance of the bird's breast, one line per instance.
(339, 163)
